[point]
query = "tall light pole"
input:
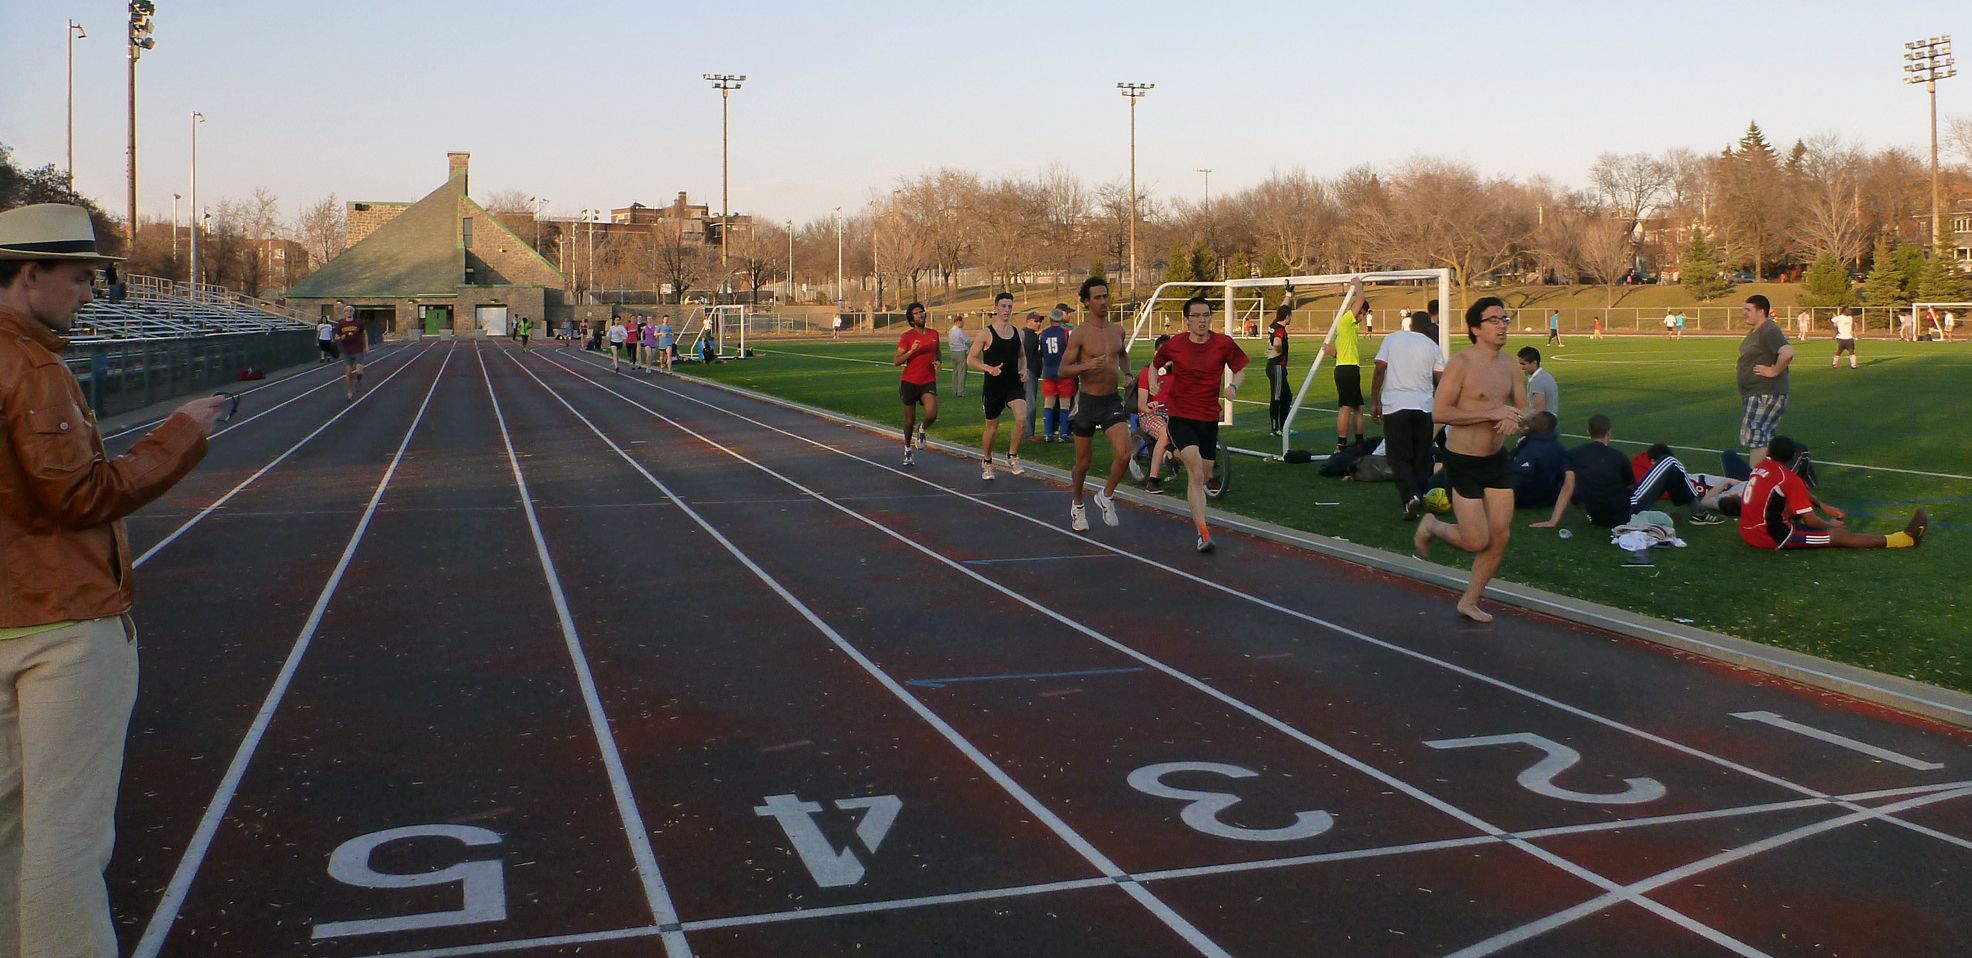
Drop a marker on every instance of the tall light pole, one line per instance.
(140, 40)
(1927, 62)
(75, 32)
(589, 217)
(725, 83)
(192, 274)
(537, 220)
(1135, 92)
(175, 197)
(838, 259)
(1208, 183)
(790, 264)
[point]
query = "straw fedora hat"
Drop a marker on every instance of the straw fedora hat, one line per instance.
(49, 231)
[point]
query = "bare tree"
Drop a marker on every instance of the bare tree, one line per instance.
(1604, 250)
(677, 259)
(1631, 184)
(1012, 224)
(1958, 132)
(1829, 190)
(1440, 213)
(1290, 213)
(763, 255)
(323, 229)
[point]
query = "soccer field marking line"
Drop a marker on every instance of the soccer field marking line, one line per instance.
(166, 913)
(277, 460)
(1647, 885)
(1226, 699)
(656, 895)
(1061, 829)
(127, 430)
(1168, 874)
(1313, 619)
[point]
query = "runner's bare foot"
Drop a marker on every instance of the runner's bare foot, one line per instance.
(1421, 539)
(1918, 524)
(1474, 613)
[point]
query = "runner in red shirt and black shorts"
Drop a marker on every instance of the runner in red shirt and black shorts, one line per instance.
(1199, 361)
(1778, 512)
(354, 341)
(917, 352)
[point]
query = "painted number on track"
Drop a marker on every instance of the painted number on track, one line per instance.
(1204, 808)
(1557, 758)
(480, 882)
(832, 867)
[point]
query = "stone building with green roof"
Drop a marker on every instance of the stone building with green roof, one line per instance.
(441, 266)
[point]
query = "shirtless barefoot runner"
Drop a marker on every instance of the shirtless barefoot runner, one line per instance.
(1481, 401)
(1096, 357)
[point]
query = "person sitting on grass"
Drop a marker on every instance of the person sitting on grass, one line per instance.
(1778, 512)
(1540, 464)
(1600, 480)
(1154, 417)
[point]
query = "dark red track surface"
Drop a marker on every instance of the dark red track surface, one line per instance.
(374, 722)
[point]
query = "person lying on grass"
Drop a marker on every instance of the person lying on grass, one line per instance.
(1778, 512)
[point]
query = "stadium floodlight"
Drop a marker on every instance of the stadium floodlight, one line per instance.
(1927, 62)
(1208, 183)
(725, 83)
(141, 27)
(1134, 92)
(192, 273)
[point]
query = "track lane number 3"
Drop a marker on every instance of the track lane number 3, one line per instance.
(1203, 809)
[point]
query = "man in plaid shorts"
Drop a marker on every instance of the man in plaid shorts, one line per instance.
(1763, 359)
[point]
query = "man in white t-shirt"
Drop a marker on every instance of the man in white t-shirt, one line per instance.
(1670, 325)
(325, 340)
(1951, 323)
(1845, 339)
(1407, 367)
(958, 343)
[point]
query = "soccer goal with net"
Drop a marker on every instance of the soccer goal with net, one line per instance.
(1239, 301)
(1938, 321)
(724, 325)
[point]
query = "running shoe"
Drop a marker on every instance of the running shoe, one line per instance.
(1153, 485)
(986, 470)
(910, 456)
(1706, 517)
(1078, 518)
(1204, 544)
(917, 438)
(1014, 467)
(1107, 507)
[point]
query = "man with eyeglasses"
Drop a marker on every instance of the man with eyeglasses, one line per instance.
(1480, 402)
(1200, 361)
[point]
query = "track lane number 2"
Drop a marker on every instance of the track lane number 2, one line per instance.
(1557, 758)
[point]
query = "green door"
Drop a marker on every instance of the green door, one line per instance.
(434, 320)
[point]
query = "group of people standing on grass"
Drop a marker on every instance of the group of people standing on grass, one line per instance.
(1083, 372)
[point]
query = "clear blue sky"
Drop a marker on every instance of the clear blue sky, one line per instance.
(599, 102)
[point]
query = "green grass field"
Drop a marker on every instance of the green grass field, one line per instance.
(1906, 408)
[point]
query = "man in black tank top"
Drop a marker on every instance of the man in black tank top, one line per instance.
(999, 354)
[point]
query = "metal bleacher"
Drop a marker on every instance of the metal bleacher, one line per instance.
(162, 340)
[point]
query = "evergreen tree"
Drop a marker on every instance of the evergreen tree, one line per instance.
(1239, 267)
(1204, 262)
(1099, 270)
(1941, 282)
(1703, 271)
(1827, 283)
(1274, 265)
(1178, 269)
(1909, 264)
(1885, 285)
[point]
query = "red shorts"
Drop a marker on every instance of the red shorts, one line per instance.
(1057, 388)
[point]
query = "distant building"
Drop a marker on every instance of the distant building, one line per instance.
(281, 262)
(440, 265)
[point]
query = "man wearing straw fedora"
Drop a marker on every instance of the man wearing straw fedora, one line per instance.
(68, 652)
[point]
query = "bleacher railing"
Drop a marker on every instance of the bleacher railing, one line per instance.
(157, 288)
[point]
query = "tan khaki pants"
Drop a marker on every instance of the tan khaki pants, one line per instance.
(65, 699)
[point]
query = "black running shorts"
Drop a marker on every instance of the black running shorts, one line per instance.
(910, 393)
(1201, 433)
(1471, 476)
(1349, 386)
(995, 395)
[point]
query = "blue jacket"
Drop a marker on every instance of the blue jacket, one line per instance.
(1540, 463)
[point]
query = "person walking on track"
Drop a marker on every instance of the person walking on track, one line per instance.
(998, 354)
(355, 345)
(526, 330)
(917, 352)
(665, 342)
(68, 648)
(1200, 361)
(1278, 397)
(1481, 402)
(1099, 361)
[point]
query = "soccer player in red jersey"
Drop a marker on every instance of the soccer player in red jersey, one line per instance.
(1199, 362)
(1778, 512)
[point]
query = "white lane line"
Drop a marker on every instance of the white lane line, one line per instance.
(250, 480)
(1085, 555)
(215, 812)
(656, 895)
(1312, 619)
(1017, 891)
(1558, 919)
(1238, 705)
(295, 398)
(1068, 835)
(1769, 718)
(127, 430)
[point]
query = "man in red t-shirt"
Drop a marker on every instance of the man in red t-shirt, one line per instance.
(355, 344)
(1778, 512)
(1199, 361)
(917, 352)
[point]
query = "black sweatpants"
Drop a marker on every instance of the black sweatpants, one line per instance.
(1407, 433)
(1278, 399)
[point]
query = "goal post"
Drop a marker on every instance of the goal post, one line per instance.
(1228, 292)
(1937, 321)
(725, 325)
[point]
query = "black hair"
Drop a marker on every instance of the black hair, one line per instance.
(1003, 295)
(1477, 310)
(1091, 283)
(1760, 303)
(1599, 426)
(1543, 422)
(1530, 354)
(1782, 449)
(1658, 452)
(1431, 307)
(11, 268)
(1159, 342)
(1200, 300)
(908, 310)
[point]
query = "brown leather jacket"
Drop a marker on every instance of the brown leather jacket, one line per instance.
(63, 551)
